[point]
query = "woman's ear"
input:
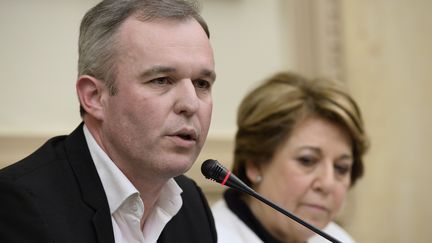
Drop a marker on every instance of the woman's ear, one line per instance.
(253, 172)
(91, 94)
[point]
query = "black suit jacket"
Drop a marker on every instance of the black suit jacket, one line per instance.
(55, 195)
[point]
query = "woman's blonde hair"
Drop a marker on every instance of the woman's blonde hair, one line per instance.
(269, 113)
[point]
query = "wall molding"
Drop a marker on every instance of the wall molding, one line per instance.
(319, 38)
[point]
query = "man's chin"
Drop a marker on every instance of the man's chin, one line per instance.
(179, 165)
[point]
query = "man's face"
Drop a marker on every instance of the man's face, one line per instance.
(157, 122)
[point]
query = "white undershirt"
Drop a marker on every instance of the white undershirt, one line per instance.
(125, 203)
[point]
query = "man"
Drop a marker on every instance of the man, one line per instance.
(146, 72)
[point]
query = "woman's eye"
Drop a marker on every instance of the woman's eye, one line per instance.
(306, 161)
(342, 169)
(202, 84)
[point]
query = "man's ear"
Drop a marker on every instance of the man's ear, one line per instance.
(91, 93)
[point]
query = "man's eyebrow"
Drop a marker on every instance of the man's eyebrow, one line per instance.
(165, 69)
(157, 70)
(209, 73)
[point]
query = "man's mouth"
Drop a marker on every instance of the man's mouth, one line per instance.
(185, 137)
(186, 134)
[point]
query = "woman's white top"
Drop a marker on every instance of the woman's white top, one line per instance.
(231, 228)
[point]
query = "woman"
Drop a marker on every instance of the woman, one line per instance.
(300, 144)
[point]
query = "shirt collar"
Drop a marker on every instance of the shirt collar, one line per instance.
(170, 199)
(116, 185)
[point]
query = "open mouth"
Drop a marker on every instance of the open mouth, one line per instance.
(186, 137)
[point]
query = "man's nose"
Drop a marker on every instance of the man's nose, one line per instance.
(187, 101)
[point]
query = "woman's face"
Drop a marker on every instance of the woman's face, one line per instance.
(308, 176)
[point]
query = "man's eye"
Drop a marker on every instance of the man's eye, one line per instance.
(202, 84)
(160, 81)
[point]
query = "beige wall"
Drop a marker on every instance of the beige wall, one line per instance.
(385, 49)
(38, 55)
(389, 68)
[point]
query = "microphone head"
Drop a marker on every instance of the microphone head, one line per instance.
(213, 170)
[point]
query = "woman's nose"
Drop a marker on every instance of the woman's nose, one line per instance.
(325, 179)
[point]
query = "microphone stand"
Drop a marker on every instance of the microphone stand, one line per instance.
(211, 169)
(254, 194)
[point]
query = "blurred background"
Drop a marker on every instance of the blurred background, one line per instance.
(380, 48)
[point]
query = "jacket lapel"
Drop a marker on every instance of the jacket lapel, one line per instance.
(91, 187)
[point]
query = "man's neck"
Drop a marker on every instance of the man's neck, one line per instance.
(148, 186)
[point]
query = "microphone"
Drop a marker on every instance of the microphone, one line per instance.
(213, 170)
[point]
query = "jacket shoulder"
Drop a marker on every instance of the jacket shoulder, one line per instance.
(50, 151)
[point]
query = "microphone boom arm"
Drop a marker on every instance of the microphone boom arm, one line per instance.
(213, 170)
